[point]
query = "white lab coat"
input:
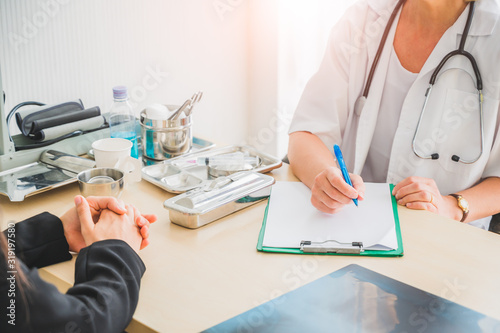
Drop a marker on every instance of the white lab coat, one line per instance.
(451, 122)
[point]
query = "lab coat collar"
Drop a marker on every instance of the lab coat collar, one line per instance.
(484, 21)
(483, 24)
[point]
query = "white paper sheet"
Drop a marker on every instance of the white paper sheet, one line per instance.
(292, 218)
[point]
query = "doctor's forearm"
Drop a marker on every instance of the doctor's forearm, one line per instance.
(308, 156)
(482, 199)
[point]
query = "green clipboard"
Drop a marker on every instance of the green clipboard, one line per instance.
(392, 253)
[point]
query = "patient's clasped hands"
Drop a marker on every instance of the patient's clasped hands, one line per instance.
(98, 218)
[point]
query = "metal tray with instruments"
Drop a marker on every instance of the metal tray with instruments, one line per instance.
(53, 169)
(197, 146)
(180, 174)
(218, 197)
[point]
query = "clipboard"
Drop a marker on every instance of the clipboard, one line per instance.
(336, 248)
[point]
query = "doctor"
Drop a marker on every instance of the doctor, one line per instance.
(441, 146)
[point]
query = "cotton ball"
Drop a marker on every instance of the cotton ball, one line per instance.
(157, 111)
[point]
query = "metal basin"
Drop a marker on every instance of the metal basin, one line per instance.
(163, 139)
(101, 182)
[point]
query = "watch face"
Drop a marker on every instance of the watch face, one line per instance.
(462, 203)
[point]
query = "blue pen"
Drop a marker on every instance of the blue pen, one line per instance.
(343, 168)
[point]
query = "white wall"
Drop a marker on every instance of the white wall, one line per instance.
(304, 30)
(163, 50)
(262, 76)
(252, 58)
(287, 40)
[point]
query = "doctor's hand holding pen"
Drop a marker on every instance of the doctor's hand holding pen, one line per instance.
(330, 191)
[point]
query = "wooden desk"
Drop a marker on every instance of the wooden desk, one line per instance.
(198, 278)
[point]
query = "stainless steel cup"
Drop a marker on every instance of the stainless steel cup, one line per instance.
(162, 138)
(101, 182)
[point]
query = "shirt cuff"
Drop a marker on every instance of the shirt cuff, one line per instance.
(40, 241)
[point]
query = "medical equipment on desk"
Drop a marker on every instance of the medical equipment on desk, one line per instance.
(179, 174)
(218, 198)
(14, 152)
(52, 170)
(232, 160)
(187, 106)
(122, 119)
(208, 192)
(460, 51)
(163, 138)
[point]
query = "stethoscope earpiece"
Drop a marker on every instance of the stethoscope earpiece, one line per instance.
(455, 158)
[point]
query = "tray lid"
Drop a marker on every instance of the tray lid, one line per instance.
(220, 191)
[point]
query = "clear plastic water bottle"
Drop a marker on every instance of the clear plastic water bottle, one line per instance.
(122, 119)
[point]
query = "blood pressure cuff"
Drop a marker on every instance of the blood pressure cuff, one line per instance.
(55, 132)
(40, 124)
(25, 118)
(52, 121)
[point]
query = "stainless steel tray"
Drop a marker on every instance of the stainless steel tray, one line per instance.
(218, 198)
(198, 145)
(54, 169)
(179, 175)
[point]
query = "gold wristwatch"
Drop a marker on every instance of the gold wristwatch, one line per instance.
(463, 204)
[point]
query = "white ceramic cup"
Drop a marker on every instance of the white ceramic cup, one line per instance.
(115, 153)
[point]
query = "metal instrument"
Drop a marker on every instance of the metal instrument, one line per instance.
(195, 99)
(54, 169)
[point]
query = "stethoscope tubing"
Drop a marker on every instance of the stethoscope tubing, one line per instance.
(381, 47)
(434, 76)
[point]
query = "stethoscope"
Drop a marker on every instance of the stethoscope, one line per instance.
(460, 51)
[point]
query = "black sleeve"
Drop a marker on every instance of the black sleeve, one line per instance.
(103, 299)
(39, 241)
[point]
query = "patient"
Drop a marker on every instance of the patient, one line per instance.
(107, 234)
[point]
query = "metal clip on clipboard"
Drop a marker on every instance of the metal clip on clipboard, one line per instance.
(331, 246)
